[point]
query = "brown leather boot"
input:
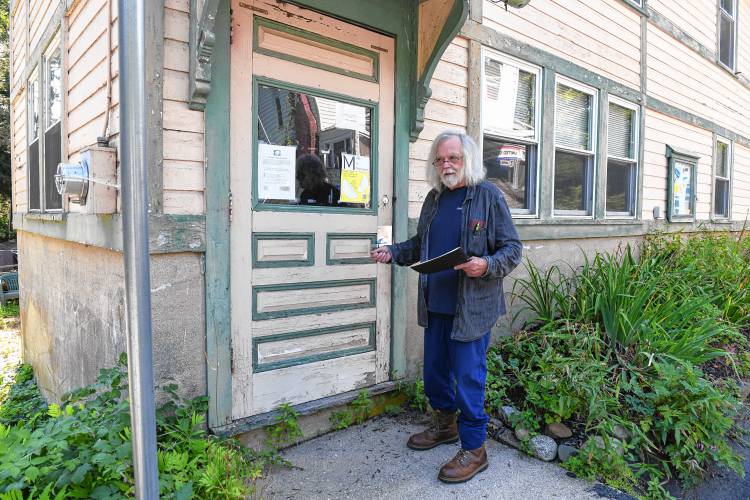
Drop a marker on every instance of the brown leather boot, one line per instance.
(465, 465)
(443, 429)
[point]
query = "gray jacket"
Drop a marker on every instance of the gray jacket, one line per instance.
(487, 231)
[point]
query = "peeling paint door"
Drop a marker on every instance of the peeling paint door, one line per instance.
(312, 110)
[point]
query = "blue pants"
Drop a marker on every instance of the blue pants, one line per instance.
(454, 377)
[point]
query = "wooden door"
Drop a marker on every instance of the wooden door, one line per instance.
(312, 110)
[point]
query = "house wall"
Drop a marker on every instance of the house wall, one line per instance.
(73, 315)
(183, 128)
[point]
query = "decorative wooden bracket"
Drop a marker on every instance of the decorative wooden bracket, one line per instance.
(437, 24)
(202, 40)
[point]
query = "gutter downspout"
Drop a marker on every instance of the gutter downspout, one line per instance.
(134, 173)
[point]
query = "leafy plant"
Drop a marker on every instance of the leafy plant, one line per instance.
(81, 448)
(621, 340)
(356, 412)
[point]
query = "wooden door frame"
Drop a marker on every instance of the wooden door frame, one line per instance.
(391, 17)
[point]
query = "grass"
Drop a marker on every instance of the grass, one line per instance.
(10, 310)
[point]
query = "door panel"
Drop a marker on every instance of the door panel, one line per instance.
(312, 98)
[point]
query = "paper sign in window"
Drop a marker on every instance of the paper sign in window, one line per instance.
(276, 172)
(355, 179)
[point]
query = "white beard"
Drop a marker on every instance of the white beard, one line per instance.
(451, 180)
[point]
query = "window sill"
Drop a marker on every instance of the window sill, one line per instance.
(45, 216)
(642, 10)
(727, 69)
(558, 221)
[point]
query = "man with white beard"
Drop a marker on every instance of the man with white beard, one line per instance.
(459, 306)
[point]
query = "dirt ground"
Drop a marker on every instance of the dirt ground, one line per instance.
(10, 347)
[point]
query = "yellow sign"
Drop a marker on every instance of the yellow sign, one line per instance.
(355, 179)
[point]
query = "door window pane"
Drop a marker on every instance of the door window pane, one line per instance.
(573, 178)
(620, 187)
(511, 167)
(321, 154)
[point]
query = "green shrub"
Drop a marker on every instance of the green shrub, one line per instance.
(621, 340)
(82, 447)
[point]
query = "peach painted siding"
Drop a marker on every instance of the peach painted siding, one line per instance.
(18, 52)
(183, 128)
(662, 130)
(602, 36)
(741, 184)
(446, 109)
(697, 18)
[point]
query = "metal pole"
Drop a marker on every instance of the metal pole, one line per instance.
(133, 158)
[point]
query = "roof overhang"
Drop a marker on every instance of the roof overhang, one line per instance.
(438, 22)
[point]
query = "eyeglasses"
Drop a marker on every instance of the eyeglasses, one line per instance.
(452, 159)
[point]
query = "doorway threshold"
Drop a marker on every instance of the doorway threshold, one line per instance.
(247, 424)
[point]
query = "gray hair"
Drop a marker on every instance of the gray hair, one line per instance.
(474, 170)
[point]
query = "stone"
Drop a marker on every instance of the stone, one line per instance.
(744, 390)
(558, 431)
(507, 437)
(616, 444)
(621, 433)
(543, 448)
(565, 451)
(505, 413)
(522, 434)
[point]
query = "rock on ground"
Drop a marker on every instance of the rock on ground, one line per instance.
(543, 447)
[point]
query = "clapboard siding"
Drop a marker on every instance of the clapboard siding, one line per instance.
(661, 131)
(602, 36)
(183, 174)
(741, 184)
(446, 109)
(681, 77)
(743, 38)
(697, 18)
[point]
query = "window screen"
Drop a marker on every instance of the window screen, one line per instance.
(509, 99)
(727, 27)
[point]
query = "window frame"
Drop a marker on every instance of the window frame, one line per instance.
(611, 99)
(678, 155)
(502, 58)
(592, 153)
(39, 75)
(719, 13)
(728, 179)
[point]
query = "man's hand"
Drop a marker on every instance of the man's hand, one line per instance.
(381, 254)
(474, 268)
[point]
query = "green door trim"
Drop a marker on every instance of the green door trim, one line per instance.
(393, 17)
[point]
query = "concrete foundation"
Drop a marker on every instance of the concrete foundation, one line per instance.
(73, 314)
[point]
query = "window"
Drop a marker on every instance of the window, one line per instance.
(722, 174)
(510, 125)
(727, 32)
(622, 163)
(682, 168)
(45, 146)
(575, 109)
(313, 151)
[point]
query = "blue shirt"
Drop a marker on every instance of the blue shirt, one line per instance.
(445, 235)
(487, 231)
